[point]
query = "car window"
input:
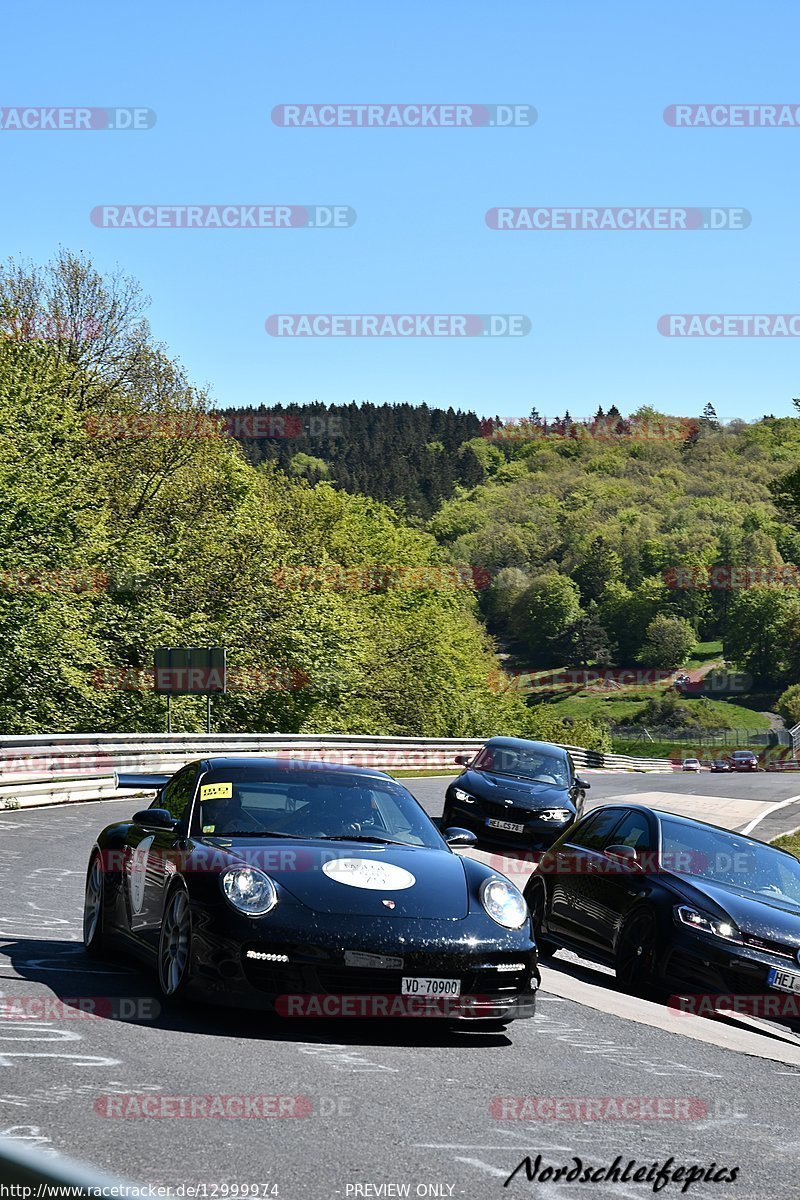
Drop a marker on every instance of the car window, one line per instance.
(521, 763)
(634, 830)
(721, 857)
(594, 833)
(178, 793)
(307, 803)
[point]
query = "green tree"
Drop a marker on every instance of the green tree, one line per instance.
(586, 642)
(600, 567)
(789, 704)
(668, 642)
(548, 606)
(758, 619)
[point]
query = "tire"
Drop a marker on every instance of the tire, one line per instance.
(94, 898)
(635, 957)
(447, 819)
(175, 947)
(536, 898)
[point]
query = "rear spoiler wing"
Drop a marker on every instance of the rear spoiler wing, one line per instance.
(141, 783)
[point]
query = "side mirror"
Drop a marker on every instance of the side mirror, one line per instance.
(623, 854)
(463, 760)
(581, 782)
(154, 818)
(460, 837)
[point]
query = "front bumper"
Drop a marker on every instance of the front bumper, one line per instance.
(303, 970)
(536, 834)
(701, 966)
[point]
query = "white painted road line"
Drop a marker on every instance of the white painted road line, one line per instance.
(772, 808)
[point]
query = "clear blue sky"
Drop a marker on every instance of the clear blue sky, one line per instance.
(599, 76)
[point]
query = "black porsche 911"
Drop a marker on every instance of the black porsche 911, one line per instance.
(310, 890)
(671, 902)
(517, 792)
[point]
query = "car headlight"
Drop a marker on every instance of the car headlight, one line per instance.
(705, 923)
(249, 890)
(463, 796)
(504, 903)
(554, 814)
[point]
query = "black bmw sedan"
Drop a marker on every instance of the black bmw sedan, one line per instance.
(671, 903)
(518, 792)
(310, 890)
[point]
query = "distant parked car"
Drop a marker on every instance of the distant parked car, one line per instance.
(691, 764)
(721, 764)
(744, 760)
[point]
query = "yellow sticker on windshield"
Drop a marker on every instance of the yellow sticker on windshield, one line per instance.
(216, 791)
(209, 828)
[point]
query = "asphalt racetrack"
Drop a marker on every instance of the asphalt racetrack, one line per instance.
(371, 1109)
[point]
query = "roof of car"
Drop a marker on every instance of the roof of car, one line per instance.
(228, 761)
(661, 812)
(526, 744)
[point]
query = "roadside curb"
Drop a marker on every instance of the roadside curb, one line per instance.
(646, 1012)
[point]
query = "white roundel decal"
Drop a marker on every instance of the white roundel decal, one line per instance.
(369, 874)
(138, 872)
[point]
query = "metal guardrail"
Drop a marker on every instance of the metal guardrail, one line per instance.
(37, 769)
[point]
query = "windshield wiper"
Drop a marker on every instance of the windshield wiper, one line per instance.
(359, 837)
(250, 833)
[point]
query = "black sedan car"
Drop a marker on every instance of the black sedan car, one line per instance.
(309, 890)
(517, 792)
(671, 903)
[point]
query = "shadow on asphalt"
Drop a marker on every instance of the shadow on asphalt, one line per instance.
(125, 992)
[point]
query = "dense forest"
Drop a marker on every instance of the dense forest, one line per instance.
(411, 455)
(360, 563)
(616, 540)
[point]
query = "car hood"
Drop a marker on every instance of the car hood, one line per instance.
(357, 877)
(521, 792)
(766, 917)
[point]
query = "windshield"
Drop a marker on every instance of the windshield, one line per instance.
(302, 803)
(535, 765)
(726, 859)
